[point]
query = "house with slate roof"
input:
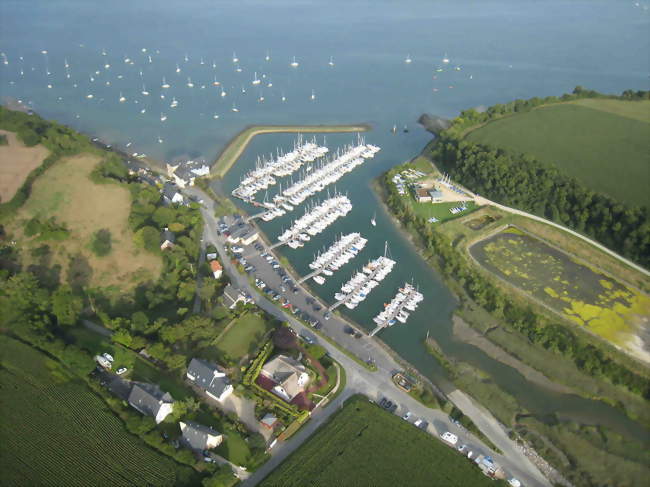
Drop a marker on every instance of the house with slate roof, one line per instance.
(150, 400)
(199, 437)
(209, 378)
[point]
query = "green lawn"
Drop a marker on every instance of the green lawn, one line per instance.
(244, 336)
(603, 143)
(439, 210)
(364, 445)
(55, 431)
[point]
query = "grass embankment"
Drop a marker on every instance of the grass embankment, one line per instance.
(66, 193)
(237, 145)
(364, 445)
(17, 161)
(601, 142)
(55, 430)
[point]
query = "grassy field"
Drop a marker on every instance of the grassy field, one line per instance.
(237, 145)
(55, 431)
(66, 193)
(243, 336)
(440, 210)
(16, 162)
(602, 143)
(593, 300)
(364, 445)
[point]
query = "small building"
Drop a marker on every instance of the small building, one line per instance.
(422, 195)
(199, 437)
(171, 194)
(211, 256)
(232, 296)
(167, 239)
(289, 376)
(209, 378)
(150, 400)
(436, 196)
(216, 269)
(243, 235)
(269, 421)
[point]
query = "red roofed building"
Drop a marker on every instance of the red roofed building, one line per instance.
(216, 268)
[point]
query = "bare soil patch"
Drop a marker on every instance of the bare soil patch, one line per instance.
(16, 162)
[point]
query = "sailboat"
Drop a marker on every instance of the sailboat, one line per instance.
(189, 83)
(160, 141)
(235, 59)
(256, 81)
(445, 59)
(284, 98)
(408, 59)
(234, 108)
(267, 57)
(178, 68)
(165, 85)
(122, 98)
(186, 58)
(144, 91)
(201, 62)
(215, 116)
(313, 95)
(373, 220)
(163, 117)
(294, 63)
(215, 82)
(331, 62)
(174, 103)
(223, 92)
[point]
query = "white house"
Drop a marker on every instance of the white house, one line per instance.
(289, 376)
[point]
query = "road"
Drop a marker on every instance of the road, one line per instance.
(360, 380)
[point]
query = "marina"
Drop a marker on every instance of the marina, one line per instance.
(337, 255)
(357, 288)
(314, 221)
(407, 299)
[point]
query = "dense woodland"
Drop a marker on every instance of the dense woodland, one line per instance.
(521, 181)
(539, 330)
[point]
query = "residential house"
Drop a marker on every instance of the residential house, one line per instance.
(232, 296)
(269, 421)
(422, 195)
(171, 194)
(209, 378)
(216, 269)
(199, 437)
(150, 400)
(167, 239)
(288, 376)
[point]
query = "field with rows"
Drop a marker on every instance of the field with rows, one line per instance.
(55, 431)
(365, 445)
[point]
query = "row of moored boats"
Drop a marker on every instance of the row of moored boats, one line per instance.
(406, 299)
(339, 254)
(282, 165)
(315, 220)
(362, 283)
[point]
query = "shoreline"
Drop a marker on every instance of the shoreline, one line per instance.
(234, 149)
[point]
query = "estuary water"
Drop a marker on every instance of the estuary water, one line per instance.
(100, 67)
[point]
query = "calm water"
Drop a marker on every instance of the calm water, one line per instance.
(498, 51)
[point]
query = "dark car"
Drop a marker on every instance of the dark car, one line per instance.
(318, 325)
(295, 290)
(317, 307)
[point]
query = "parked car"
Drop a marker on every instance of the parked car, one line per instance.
(317, 307)
(307, 339)
(294, 290)
(406, 415)
(108, 356)
(121, 370)
(462, 448)
(327, 316)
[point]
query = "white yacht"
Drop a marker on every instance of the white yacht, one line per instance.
(144, 91)
(445, 59)
(174, 103)
(408, 59)
(165, 85)
(178, 68)
(163, 117)
(331, 61)
(373, 220)
(294, 63)
(189, 83)
(122, 98)
(313, 95)
(235, 59)
(256, 80)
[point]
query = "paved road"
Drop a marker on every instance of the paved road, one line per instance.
(374, 385)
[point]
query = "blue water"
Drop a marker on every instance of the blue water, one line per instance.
(498, 51)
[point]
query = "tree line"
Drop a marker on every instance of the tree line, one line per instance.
(539, 330)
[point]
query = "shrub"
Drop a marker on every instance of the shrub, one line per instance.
(101, 242)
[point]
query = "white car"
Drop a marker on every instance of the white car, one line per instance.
(450, 438)
(108, 357)
(418, 422)
(406, 416)
(121, 370)
(514, 482)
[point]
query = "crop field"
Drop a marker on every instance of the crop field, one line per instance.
(66, 193)
(364, 445)
(602, 143)
(16, 162)
(244, 336)
(591, 299)
(55, 431)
